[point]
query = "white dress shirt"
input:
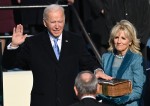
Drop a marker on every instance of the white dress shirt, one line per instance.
(59, 42)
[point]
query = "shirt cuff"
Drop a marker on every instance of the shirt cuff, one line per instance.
(9, 47)
(98, 69)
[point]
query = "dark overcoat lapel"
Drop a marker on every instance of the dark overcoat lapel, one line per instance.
(65, 45)
(49, 49)
(124, 65)
(48, 46)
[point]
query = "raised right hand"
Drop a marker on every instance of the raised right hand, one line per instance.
(18, 37)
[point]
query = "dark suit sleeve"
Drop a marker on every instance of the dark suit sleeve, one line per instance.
(17, 58)
(9, 58)
(86, 60)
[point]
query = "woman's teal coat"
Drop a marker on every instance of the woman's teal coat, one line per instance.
(131, 68)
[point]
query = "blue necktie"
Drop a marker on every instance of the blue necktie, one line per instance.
(56, 48)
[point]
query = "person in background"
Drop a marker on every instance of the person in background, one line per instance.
(33, 19)
(55, 56)
(118, 10)
(6, 25)
(125, 61)
(97, 25)
(6, 22)
(86, 87)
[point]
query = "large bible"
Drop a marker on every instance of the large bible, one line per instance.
(115, 87)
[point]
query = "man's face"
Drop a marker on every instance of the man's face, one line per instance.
(55, 22)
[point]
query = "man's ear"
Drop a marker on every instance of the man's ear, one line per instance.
(44, 23)
(76, 91)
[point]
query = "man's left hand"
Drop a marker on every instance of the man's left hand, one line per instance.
(70, 2)
(101, 74)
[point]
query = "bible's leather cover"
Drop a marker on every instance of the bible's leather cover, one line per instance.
(115, 87)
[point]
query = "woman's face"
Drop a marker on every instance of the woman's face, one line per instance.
(121, 43)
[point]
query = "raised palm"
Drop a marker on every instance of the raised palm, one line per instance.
(18, 37)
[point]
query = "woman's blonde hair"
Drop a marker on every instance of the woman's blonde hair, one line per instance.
(130, 33)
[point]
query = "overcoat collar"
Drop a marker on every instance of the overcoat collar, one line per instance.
(124, 65)
(48, 46)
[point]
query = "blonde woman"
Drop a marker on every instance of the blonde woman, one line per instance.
(124, 60)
